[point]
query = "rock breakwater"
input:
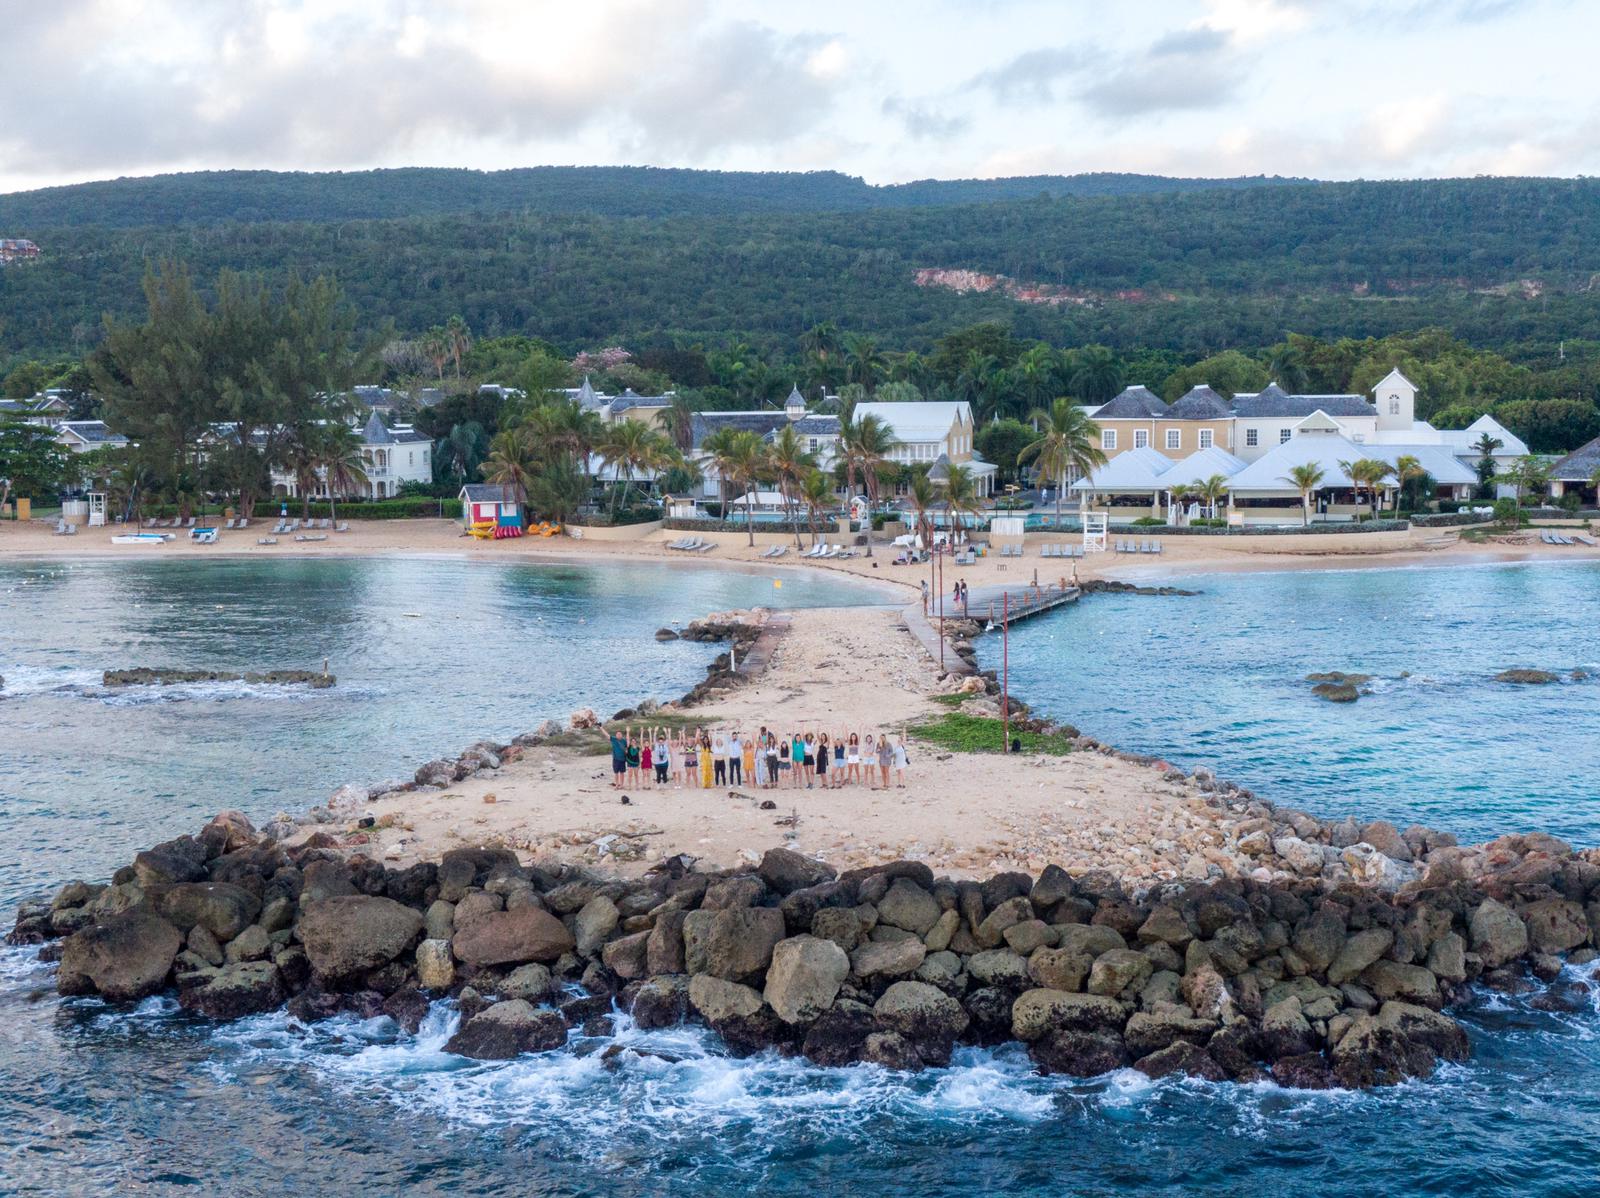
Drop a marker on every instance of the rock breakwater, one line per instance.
(148, 676)
(1309, 983)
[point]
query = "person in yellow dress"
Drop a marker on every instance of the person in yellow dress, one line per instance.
(705, 760)
(749, 760)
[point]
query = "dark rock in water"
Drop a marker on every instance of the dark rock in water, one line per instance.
(123, 958)
(1079, 1054)
(666, 634)
(508, 1029)
(1336, 692)
(584, 1007)
(892, 1051)
(1309, 1071)
(1377, 1053)
(989, 1009)
(243, 988)
(145, 676)
(1527, 677)
(1181, 1058)
(363, 1004)
(661, 1001)
(1340, 676)
(408, 1008)
(838, 1034)
(1101, 586)
(314, 1005)
(347, 936)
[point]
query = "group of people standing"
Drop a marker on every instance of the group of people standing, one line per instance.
(646, 757)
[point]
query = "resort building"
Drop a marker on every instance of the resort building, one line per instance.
(818, 431)
(47, 408)
(81, 436)
(1575, 474)
(390, 457)
(937, 434)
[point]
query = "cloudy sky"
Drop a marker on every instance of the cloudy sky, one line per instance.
(887, 89)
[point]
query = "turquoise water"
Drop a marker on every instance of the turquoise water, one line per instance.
(95, 1100)
(1219, 680)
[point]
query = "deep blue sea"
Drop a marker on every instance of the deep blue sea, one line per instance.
(431, 655)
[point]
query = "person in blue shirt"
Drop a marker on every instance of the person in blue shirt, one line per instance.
(619, 759)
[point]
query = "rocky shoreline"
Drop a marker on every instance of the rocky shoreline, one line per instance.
(1310, 984)
(154, 676)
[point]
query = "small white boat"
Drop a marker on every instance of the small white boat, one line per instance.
(139, 538)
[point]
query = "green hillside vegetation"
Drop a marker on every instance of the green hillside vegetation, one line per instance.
(212, 197)
(1211, 269)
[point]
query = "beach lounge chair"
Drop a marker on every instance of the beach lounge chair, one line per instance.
(782, 549)
(61, 528)
(1585, 540)
(266, 540)
(343, 526)
(705, 547)
(228, 524)
(72, 530)
(241, 523)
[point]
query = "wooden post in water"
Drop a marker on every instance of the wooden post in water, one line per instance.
(1005, 671)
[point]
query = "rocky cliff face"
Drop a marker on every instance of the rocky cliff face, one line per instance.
(1310, 982)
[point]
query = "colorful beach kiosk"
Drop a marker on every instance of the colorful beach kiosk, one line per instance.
(491, 510)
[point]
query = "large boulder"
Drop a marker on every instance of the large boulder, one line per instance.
(220, 908)
(887, 958)
(123, 957)
(732, 944)
(1498, 935)
(718, 1001)
(786, 871)
(436, 967)
(909, 907)
(1360, 951)
(1439, 1033)
(180, 860)
(628, 956)
(513, 937)
(920, 1012)
(661, 1001)
(1410, 983)
(1151, 1031)
(507, 1029)
(804, 977)
(1319, 939)
(839, 1033)
(1118, 970)
(242, 988)
(1038, 1012)
(594, 923)
(1555, 925)
(347, 936)
(1375, 1053)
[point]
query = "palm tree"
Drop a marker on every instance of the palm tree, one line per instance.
(435, 346)
(460, 452)
(512, 462)
(1096, 374)
(1485, 446)
(458, 338)
(558, 489)
(1176, 494)
(1069, 443)
(960, 496)
(911, 367)
(821, 339)
(789, 461)
(1210, 490)
(1407, 469)
(633, 446)
(1035, 373)
(923, 495)
(1367, 474)
(717, 449)
(340, 463)
(747, 462)
(972, 383)
(1306, 478)
(864, 361)
(1288, 367)
(867, 449)
(678, 419)
(816, 492)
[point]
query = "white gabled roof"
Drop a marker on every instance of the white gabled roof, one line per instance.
(1201, 465)
(1394, 376)
(1137, 469)
(924, 420)
(1269, 474)
(1461, 440)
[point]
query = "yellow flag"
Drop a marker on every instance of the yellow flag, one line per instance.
(777, 584)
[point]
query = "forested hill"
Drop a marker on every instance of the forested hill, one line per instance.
(210, 197)
(1501, 262)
